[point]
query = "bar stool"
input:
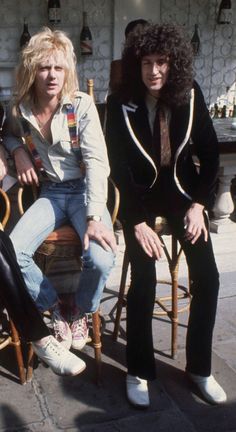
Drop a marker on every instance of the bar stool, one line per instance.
(168, 305)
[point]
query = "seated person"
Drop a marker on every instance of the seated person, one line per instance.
(151, 121)
(116, 70)
(26, 317)
(3, 163)
(65, 151)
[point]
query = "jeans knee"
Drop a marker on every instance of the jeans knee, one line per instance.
(102, 263)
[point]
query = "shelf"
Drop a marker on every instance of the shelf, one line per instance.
(7, 65)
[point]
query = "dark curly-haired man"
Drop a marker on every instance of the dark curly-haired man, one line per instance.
(153, 117)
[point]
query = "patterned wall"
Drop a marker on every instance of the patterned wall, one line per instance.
(100, 18)
(215, 64)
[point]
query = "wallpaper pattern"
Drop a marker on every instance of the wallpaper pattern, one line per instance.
(215, 65)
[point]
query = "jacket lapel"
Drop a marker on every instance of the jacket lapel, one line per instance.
(140, 125)
(178, 125)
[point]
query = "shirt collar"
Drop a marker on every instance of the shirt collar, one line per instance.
(151, 102)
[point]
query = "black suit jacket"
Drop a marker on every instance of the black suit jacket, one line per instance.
(132, 161)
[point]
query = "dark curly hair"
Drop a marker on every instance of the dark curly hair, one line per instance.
(169, 41)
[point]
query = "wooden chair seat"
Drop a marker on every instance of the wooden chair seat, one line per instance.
(64, 234)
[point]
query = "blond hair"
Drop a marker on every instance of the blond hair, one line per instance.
(41, 45)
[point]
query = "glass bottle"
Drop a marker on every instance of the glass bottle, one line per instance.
(216, 111)
(86, 46)
(54, 11)
(195, 41)
(90, 88)
(225, 12)
(223, 112)
(25, 36)
(233, 124)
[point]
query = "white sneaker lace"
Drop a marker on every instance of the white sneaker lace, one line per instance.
(55, 347)
(59, 326)
(79, 328)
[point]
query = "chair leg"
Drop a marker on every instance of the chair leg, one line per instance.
(30, 363)
(121, 301)
(96, 322)
(19, 357)
(174, 270)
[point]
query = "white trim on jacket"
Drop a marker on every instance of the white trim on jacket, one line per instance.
(132, 107)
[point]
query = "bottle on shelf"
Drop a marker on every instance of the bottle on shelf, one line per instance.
(233, 124)
(90, 88)
(225, 12)
(54, 11)
(216, 111)
(25, 35)
(195, 41)
(223, 112)
(86, 45)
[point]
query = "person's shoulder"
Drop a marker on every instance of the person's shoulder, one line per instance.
(196, 87)
(82, 96)
(81, 100)
(114, 99)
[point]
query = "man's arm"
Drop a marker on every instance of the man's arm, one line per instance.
(3, 163)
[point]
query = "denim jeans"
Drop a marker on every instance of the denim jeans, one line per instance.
(60, 203)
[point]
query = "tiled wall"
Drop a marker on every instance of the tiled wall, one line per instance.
(215, 65)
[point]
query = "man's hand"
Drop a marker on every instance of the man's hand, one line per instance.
(99, 232)
(3, 164)
(194, 223)
(26, 173)
(148, 240)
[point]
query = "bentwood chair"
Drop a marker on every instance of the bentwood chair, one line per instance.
(167, 305)
(8, 333)
(64, 245)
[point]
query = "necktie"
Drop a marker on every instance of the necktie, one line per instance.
(161, 136)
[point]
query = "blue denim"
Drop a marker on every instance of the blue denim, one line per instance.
(60, 203)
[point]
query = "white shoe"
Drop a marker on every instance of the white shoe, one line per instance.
(209, 388)
(79, 331)
(60, 360)
(137, 391)
(61, 328)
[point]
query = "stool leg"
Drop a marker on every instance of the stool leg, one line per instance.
(30, 363)
(19, 358)
(96, 321)
(120, 301)
(174, 270)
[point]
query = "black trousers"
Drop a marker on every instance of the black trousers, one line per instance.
(15, 297)
(141, 295)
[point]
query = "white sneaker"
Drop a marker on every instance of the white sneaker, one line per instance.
(209, 388)
(61, 329)
(60, 360)
(79, 331)
(137, 391)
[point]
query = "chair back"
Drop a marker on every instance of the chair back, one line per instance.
(5, 209)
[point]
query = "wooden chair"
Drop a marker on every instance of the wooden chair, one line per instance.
(64, 243)
(168, 305)
(10, 336)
